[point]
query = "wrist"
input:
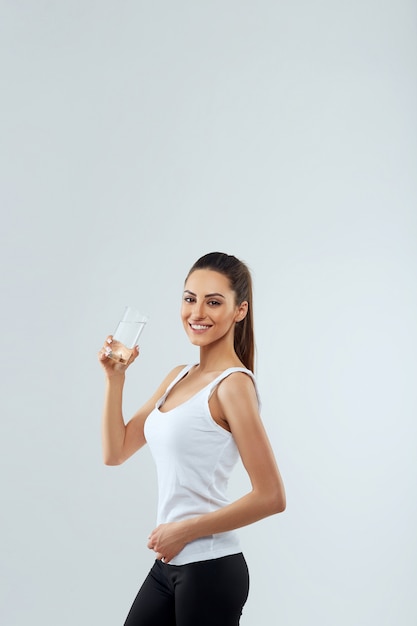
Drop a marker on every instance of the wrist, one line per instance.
(191, 529)
(115, 379)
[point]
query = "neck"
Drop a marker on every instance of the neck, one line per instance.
(218, 358)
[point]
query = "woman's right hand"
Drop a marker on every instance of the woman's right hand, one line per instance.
(114, 368)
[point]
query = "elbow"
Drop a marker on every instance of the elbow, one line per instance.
(280, 505)
(278, 502)
(271, 500)
(111, 461)
(112, 454)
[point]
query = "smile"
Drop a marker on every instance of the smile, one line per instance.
(199, 327)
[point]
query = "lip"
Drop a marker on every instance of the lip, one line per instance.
(199, 328)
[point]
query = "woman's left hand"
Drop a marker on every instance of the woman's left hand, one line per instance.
(167, 540)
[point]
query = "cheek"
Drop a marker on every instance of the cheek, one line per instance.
(184, 315)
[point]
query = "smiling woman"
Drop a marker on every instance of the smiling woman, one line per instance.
(209, 315)
(197, 423)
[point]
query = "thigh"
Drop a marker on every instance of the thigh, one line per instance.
(154, 604)
(212, 592)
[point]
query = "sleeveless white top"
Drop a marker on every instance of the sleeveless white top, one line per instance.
(194, 457)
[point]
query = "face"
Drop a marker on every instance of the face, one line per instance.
(209, 310)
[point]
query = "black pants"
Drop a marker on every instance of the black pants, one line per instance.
(206, 593)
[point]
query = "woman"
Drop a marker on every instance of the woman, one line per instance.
(197, 423)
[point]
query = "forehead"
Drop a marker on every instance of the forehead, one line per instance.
(207, 281)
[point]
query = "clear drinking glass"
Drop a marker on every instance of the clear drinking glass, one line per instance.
(126, 335)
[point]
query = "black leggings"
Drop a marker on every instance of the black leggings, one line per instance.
(206, 593)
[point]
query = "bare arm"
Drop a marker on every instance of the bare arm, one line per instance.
(267, 496)
(237, 397)
(120, 440)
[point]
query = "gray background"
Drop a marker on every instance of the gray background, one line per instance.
(136, 136)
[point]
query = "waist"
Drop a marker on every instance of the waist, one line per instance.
(207, 548)
(186, 503)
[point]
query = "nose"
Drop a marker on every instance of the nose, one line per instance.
(197, 312)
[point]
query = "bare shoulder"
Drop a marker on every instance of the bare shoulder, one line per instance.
(236, 383)
(168, 380)
(162, 387)
(173, 373)
(237, 390)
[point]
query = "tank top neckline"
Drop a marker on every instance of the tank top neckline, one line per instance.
(182, 375)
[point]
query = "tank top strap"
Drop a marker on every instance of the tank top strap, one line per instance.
(212, 386)
(180, 375)
(177, 378)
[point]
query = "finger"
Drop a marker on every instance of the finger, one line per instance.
(104, 353)
(134, 355)
(107, 345)
(106, 349)
(107, 342)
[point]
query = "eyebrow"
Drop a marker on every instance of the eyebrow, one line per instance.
(208, 295)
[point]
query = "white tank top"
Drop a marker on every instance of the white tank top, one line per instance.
(194, 458)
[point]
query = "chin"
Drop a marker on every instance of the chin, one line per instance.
(196, 341)
(199, 341)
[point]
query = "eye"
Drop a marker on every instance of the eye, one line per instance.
(189, 299)
(214, 303)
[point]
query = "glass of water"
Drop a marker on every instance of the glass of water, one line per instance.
(126, 335)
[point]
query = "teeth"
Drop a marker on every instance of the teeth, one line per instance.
(199, 327)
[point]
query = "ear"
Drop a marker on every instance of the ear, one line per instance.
(242, 311)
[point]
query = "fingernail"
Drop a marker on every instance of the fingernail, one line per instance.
(109, 340)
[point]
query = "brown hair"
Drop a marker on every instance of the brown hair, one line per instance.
(241, 283)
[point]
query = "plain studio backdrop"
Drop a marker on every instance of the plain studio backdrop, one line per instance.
(135, 137)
